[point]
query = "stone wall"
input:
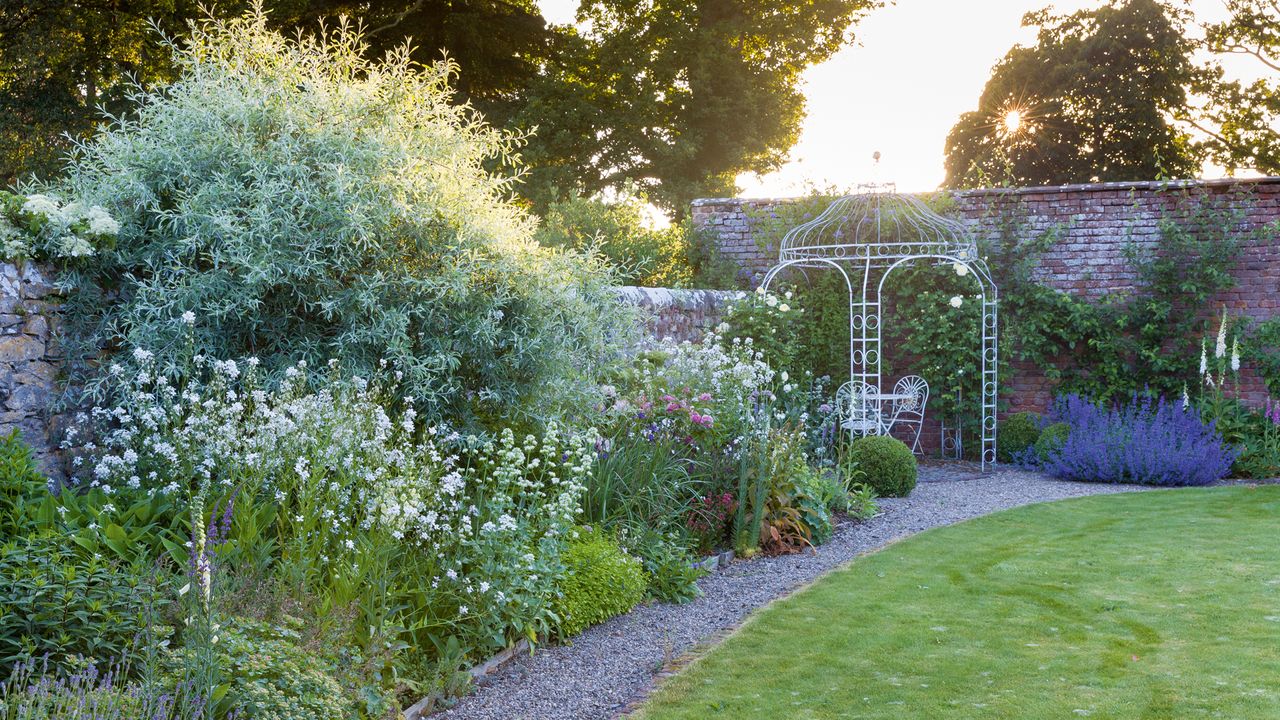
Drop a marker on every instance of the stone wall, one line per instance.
(29, 355)
(1095, 224)
(679, 314)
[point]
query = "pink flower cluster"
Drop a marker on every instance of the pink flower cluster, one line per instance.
(710, 518)
(675, 405)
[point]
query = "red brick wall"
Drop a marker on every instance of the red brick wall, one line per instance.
(1096, 223)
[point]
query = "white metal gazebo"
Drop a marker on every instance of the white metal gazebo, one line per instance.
(865, 237)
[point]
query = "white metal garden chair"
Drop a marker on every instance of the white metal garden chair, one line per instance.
(858, 408)
(910, 395)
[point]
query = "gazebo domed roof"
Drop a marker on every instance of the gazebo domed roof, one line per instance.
(880, 226)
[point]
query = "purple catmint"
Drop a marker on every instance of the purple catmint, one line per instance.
(1146, 441)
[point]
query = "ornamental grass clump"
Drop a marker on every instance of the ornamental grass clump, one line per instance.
(307, 203)
(1145, 441)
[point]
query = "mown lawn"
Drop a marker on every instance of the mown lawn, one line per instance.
(1142, 605)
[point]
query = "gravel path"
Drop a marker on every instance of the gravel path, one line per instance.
(613, 665)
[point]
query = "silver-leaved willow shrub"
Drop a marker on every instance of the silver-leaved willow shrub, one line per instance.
(307, 203)
(442, 535)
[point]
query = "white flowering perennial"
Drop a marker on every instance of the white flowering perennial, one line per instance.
(41, 227)
(484, 520)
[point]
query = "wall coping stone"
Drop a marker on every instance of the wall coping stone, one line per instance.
(1031, 190)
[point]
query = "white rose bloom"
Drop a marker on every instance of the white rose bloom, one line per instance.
(961, 269)
(956, 301)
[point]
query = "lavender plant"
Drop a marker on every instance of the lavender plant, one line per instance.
(1146, 441)
(35, 691)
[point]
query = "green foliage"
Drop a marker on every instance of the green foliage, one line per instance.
(680, 97)
(1240, 120)
(60, 63)
(54, 601)
(1262, 347)
(21, 485)
(674, 256)
(669, 567)
(1051, 440)
(769, 323)
(862, 502)
(268, 675)
(789, 509)
(1017, 433)
(307, 204)
(599, 581)
(888, 464)
(1096, 95)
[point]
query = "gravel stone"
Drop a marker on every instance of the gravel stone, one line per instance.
(613, 665)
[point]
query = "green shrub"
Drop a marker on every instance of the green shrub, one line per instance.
(305, 203)
(889, 466)
(54, 602)
(645, 255)
(669, 568)
(268, 675)
(1051, 440)
(600, 581)
(20, 485)
(1017, 433)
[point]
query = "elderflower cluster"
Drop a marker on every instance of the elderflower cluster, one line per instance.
(41, 227)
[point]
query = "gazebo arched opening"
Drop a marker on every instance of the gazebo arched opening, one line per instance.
(865, 237)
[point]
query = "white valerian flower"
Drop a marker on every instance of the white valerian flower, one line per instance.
(956, 301)
(961, 268)
(189, 318)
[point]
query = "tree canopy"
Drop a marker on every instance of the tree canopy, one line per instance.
(1093, 100)
(675, 97)
(1242, 119)
(679, 96)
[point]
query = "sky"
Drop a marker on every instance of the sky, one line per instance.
(914, 68)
